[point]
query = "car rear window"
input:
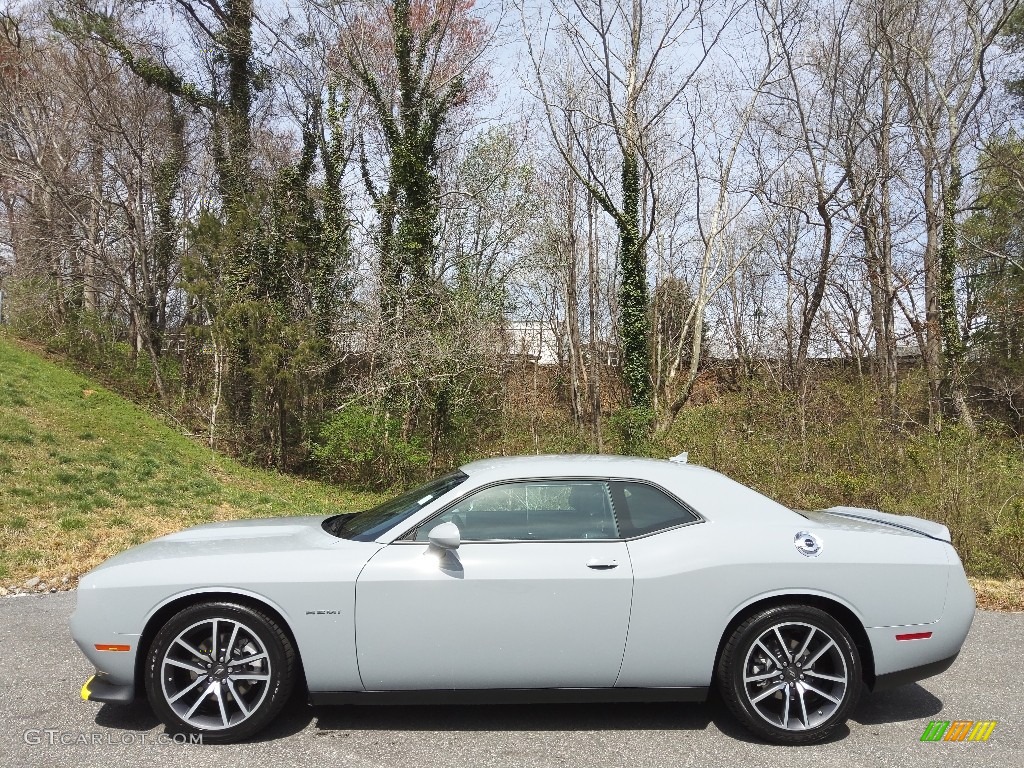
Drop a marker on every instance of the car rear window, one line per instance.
(643, 509)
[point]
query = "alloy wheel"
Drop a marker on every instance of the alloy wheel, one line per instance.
(795, 676)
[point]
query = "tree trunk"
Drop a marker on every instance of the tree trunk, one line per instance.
(954, 373)
(633, 301)
(878, 242)
(932, 329)
(813, 303)
(90, 269)
(633, 290)
(572, 309)
(236, 167)
(696, 343)
(592, 286)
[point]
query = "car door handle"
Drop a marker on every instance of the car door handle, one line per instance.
(602, 565)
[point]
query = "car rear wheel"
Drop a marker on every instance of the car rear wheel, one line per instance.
(790, 674)
(223, 670)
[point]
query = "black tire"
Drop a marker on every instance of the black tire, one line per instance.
(790, 701)
(195, 689)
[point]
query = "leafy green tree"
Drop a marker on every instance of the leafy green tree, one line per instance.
(270, 280)
(993, 255)
(266, 259)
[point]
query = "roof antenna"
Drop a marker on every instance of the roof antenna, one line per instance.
(681, 458)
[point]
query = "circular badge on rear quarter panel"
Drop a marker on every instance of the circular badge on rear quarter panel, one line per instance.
(807, 544)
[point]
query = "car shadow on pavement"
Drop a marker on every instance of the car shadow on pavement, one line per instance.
(911, 702)
(137, 716)
(908, 702)
(543, 717)
(297, 716)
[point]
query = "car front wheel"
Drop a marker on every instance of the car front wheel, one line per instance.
(223, 670)
(790, 674)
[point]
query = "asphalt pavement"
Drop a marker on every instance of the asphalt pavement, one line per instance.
(43, 721)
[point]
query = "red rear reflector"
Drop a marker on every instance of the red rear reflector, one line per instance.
(914, 636)
(102, 647)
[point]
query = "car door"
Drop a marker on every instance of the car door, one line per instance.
(537, 595)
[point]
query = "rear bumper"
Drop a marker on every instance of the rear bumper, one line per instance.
(98, 688)
(906, 676)
(904, 654)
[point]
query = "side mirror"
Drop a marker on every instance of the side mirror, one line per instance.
(445, 536)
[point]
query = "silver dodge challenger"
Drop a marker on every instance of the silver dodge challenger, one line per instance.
(531, 579)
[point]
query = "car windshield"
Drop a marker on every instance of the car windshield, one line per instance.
(371, 523)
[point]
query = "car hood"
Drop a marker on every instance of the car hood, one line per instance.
(237, 537)
(859, 517)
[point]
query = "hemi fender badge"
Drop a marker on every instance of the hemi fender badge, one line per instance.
(914, 636)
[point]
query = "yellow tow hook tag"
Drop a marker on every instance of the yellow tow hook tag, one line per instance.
(85, 688)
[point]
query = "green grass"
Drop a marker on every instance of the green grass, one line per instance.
(84, 474)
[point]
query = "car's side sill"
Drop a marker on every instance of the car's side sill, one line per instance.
(510, 696)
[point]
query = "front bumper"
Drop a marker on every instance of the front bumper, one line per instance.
(98, 688)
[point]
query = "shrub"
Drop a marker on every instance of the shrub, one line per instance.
(633, 429)
(358, 446)
(1008, 537)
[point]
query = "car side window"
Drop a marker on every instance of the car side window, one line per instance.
(643, 509)
(540, 510)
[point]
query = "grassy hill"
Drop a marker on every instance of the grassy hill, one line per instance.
(85, 473)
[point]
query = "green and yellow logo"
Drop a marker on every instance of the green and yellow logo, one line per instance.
(958, 730)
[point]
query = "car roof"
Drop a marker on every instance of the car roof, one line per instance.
(711, 493)
(576, 465)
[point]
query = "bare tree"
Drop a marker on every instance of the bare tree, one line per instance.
(808, 124)
(871, 107)
(938, 53)
(726, 236)
(101, 157)
(628, 54)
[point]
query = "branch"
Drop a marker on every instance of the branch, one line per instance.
(102, 29)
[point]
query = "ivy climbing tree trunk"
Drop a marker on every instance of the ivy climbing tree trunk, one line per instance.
(410, 63)
(633, 299)
(633, 296)
(954, 348)
(225, 30)
(614, 75)
(167, 186)
(412, 67)
(235, 116)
